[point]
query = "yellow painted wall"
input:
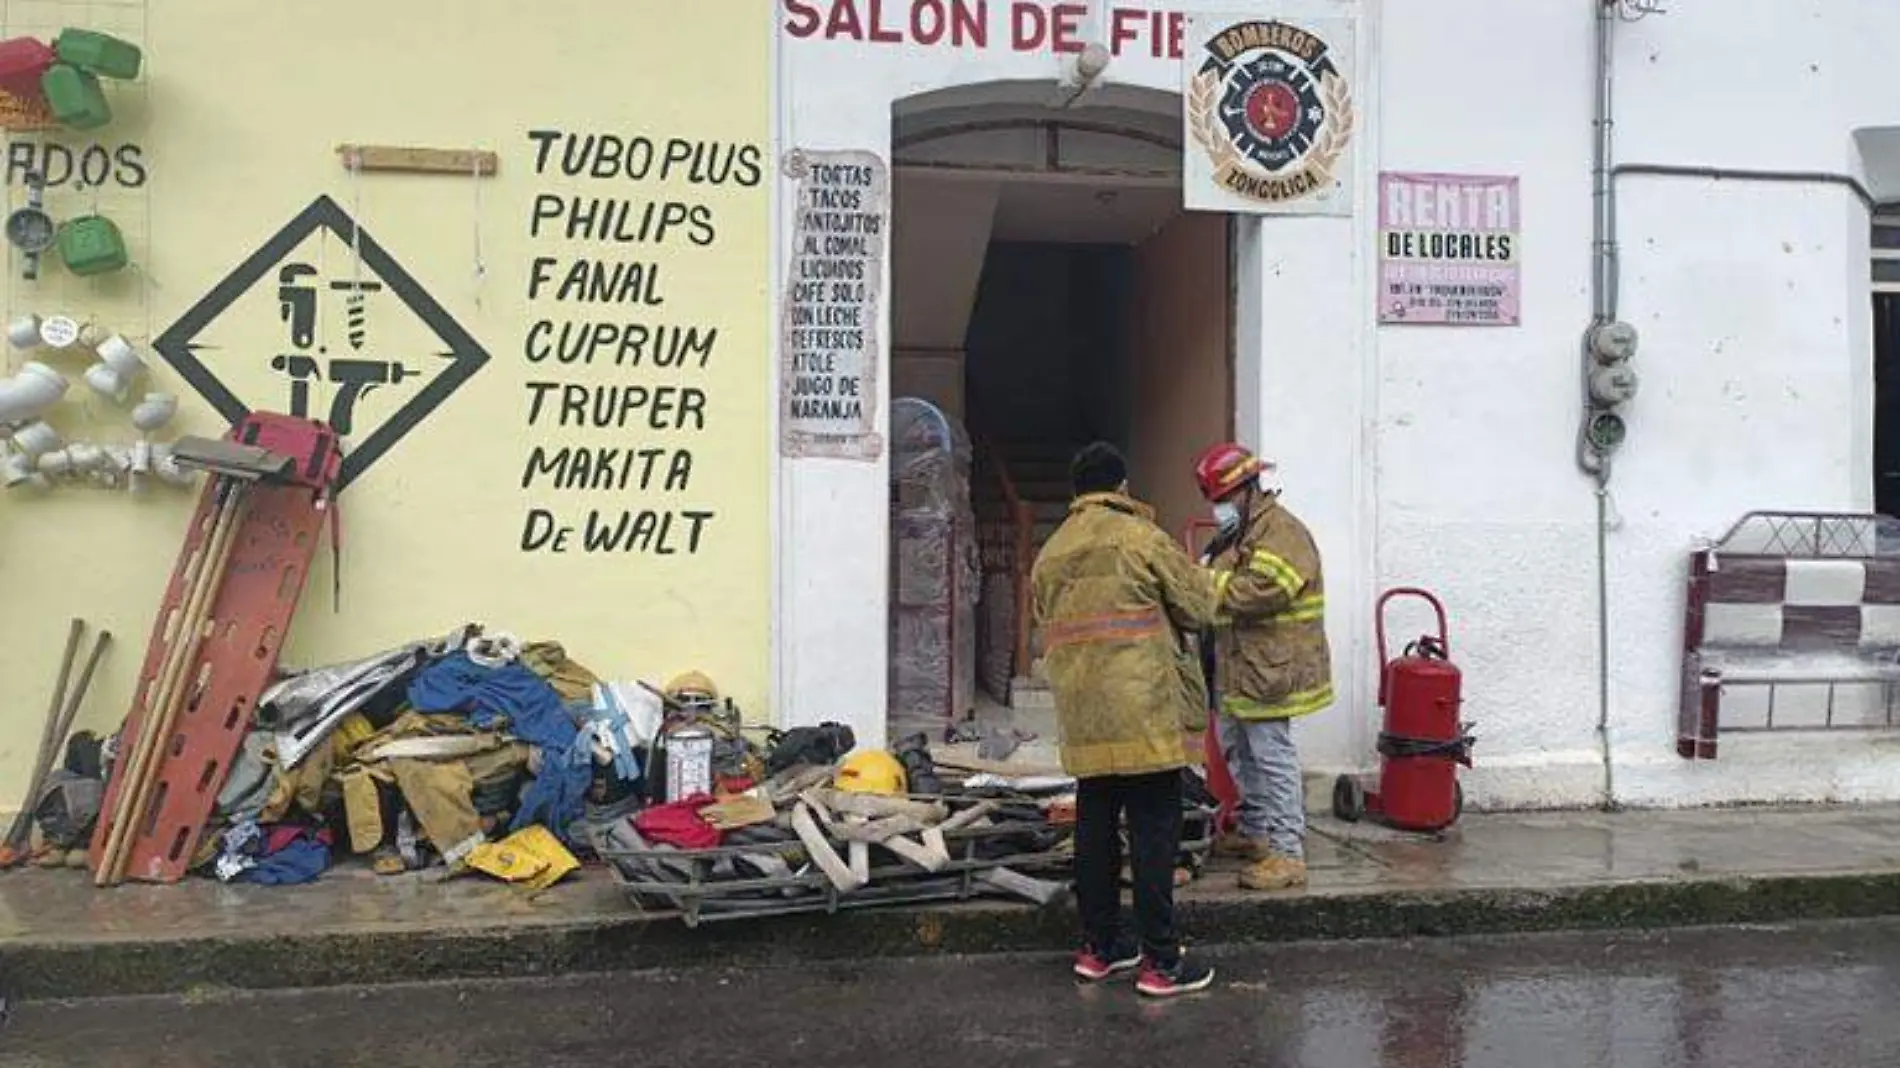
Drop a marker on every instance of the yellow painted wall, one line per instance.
(231, 134)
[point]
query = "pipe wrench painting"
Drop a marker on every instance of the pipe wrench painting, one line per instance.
(321, 322)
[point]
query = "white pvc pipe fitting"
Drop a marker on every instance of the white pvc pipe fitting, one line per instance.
(118, 365)
(24, 396)
(24, 332)
(118, 353)
(154, 412)
(115, 465)
(107, 383)
(17, 469)
(85, 456)
(36, 438)
(165, 466)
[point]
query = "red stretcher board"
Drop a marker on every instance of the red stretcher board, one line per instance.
(278, 529)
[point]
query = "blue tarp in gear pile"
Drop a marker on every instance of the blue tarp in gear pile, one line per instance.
(532, 711)
(299, 862)
(283, 855)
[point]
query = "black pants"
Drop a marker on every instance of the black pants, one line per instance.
(1152, 804)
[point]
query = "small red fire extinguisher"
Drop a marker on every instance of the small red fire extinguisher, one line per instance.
(1422, 742)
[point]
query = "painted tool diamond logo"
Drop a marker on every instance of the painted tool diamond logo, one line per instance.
(359, 343)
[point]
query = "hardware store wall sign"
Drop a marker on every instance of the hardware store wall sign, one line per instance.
(637, 386)
(1270, 115)
(554, 377)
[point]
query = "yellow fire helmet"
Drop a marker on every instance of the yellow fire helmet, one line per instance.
(871, 771)
(693, 688)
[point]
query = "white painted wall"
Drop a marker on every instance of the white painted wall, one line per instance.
(1752, 301)
(1443, 456)
(1478, 497)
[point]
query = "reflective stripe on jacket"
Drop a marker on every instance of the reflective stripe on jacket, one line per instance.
(1272, 661)
(1114, 599)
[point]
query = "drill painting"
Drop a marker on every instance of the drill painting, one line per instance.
(358, 342)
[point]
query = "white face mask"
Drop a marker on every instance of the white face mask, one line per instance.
(1227, 514)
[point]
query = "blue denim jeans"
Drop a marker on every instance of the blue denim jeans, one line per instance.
(1265, 765)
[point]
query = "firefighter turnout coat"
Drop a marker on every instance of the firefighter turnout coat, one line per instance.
(1271, 656)
(1115, 600)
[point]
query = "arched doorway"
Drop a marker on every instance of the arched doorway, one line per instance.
(1047, 291)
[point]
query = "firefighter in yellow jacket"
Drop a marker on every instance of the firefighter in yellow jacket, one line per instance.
(1272, 663)
(1116, 601)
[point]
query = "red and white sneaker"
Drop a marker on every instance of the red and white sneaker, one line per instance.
(1184, 977)
(1095, 966)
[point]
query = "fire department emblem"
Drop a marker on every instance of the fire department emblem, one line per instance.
(1272, 111)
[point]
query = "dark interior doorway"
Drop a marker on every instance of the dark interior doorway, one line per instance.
(1887, 403)
(1047, 360)
(1048, 290)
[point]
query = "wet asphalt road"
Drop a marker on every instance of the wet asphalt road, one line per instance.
(1823, 996)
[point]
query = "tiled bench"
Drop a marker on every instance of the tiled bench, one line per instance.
(1792, 624)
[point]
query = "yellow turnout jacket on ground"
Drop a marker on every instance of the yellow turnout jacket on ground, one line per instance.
(1115, 599)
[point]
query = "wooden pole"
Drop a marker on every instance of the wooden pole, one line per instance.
(23, 822)
(78, 695)
(18, 839)
(74, 631)
(135, 788)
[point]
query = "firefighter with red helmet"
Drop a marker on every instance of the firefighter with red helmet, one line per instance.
(1272, 662)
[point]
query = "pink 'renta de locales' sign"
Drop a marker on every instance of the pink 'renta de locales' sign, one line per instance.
(1448, 249)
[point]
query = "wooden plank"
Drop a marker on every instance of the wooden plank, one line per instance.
(412, 160)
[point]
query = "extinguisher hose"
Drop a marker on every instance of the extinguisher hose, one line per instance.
(1398, 746)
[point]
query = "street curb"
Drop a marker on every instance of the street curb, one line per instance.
(103, 968)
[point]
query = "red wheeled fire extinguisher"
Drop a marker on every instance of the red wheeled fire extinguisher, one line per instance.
(1422, 742)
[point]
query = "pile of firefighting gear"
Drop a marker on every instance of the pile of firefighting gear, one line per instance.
(468, 750)
(474, 751)
(471, 750)
(822, 835)
(873, 828)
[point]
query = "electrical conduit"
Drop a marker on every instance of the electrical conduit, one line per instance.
(1603, 285)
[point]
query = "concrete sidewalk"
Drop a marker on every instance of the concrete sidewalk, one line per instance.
(60, 937)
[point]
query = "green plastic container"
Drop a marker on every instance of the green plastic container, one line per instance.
(75, 97)
(92, 244)
(98, 53)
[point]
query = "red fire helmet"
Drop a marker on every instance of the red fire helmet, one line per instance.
(1225, 468)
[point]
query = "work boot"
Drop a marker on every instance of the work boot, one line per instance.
(1240, 846)
(1275, 872)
